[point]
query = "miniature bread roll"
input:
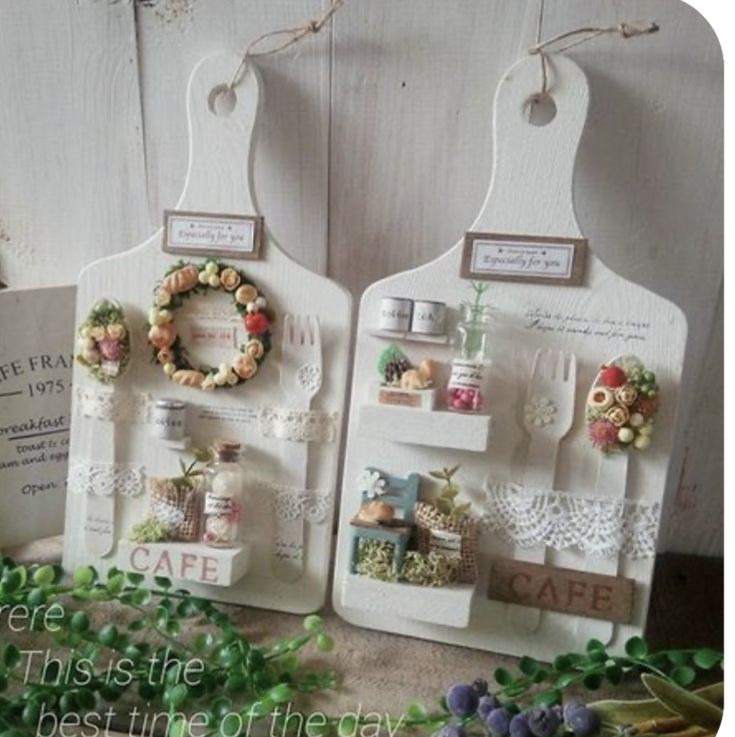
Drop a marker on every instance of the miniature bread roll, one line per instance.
(188, 377)
(376, 512)
(182, 280)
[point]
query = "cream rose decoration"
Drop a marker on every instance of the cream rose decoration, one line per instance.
(254, 348)
(245, 294)
(245, 366)
(230, 279)
(116, 331)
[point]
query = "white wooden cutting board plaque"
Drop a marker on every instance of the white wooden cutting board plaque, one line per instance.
(36, 343)
(603, 317)
(218, 181)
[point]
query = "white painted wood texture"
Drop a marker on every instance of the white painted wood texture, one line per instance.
(94, 147)
(219, 179)
(530, 194)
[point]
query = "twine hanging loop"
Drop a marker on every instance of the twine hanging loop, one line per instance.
(291, 36)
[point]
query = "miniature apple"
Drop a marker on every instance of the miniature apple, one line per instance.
(613, 376)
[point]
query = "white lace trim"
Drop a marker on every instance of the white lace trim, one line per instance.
(300, 426)
(289, 503)
(111, 405)
(105, 479)
(595, 525)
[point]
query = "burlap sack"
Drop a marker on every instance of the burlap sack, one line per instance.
(429, 518)
(177, 506)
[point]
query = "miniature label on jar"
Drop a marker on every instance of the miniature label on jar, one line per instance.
(218, 505)
(212, 234)
(465, 375)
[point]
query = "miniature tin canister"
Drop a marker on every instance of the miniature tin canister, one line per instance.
(167, 419)
(395, 314)
(429, 318)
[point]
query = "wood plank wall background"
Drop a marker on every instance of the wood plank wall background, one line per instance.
(375, 151)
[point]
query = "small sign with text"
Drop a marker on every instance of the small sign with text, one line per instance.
(212, 234)
(535, 259)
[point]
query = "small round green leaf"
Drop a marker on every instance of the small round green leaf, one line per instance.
(502, 677)
(347, 726)
(85, 576)
(548, 698)
(636, 647)
(592, 681)
(79, 622)
(683, 676)
(417, 711)
(707, 658)
(176, 695)
(528, 666)
(44, 576)
(11, 656)
(108, 635)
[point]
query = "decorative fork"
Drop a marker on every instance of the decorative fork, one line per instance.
(301, 380)
(548, 414)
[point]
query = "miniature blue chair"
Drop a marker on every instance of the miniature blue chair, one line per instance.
(402, 495)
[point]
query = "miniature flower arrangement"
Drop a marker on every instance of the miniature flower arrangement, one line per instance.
(622, 405)
(445, 524)
(104, 341)
(185, 280)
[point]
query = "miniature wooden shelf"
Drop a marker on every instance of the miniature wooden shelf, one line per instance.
(412, 337)
(446, 605)
(440, 429)
(185, 561)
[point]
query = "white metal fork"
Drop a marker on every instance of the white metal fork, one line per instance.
(548, 414)
(301, 380)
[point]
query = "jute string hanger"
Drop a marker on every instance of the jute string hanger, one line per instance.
(556, 44)
(578, 36)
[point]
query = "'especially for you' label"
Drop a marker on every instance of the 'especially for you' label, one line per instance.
(209, 233)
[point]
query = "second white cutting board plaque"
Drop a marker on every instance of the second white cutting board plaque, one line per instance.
(595, 315)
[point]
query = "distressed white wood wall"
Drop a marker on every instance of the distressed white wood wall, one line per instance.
(376, 152)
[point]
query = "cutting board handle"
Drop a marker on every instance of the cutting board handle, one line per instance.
(219, 135)
(531, 191)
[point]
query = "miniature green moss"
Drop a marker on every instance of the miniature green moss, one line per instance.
(151, 531)
(375, 560)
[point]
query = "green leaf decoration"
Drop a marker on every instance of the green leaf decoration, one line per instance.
(502, 677)
(177, 695)
(707, 658)
(548, 698)
(347, 726)
(688, 705)
(11, 656)
(528, 666)
(592, 681)
(636, 647)
(595, 646)
(417, 712)
(684, 676)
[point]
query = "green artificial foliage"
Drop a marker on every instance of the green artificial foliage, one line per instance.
(263, 681)
(445, 502)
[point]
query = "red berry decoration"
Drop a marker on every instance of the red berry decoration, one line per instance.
(613, 376)
(257, 323)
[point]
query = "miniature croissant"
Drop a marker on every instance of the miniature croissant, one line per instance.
(188, 377)
(420, 378)
(182, 280)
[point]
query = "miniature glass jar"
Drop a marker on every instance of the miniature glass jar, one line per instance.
(224, 497)
(167, 419)
(466, 382)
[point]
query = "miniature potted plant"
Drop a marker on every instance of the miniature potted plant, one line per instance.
(445, 526)
(174, 511)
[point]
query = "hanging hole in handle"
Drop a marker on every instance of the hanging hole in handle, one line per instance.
(222, 100)
(540, 109)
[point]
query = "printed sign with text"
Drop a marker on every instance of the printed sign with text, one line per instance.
(212, 234)
(536, 259)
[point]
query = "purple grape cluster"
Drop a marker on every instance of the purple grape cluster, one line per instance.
(581, 721)
(465, 701)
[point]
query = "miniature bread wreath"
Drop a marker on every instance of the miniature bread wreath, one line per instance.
(104, 341)
(622, 405)
(184, 280)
